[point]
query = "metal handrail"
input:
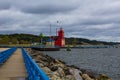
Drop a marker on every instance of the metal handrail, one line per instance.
(33, 70)
(4, 55)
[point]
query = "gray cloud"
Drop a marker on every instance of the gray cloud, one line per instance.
(94, 19)
(4, 5)
(40, 7)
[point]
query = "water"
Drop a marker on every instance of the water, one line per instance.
(104, 60)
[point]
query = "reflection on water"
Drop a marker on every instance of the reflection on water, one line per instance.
(104, 60)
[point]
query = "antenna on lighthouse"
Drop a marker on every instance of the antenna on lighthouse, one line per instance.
(50, 30)
(58, 26)
(56, 31)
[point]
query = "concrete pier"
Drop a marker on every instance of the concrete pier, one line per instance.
(14, 67)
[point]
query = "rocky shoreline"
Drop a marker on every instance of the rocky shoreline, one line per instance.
(59, 70)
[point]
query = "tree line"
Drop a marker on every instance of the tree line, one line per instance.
(30, 38)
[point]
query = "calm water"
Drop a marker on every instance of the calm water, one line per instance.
(99, 60)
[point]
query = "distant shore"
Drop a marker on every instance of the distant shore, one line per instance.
(80, 47)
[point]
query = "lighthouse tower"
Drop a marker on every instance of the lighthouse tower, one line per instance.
(60, 40)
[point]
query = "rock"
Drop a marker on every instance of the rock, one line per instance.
(61, 61)
(62, 65)
(72, 66)
(43, 62)
(39, 56)
(40, 64)
(46, 70)
(55, 73)
(69, 77)
(86, 77)
(37, 61)
(28, 50)
(103, 77)
(55, 77)
(66, 71)
(61, 72)
(34, 55)
(33, 51)
(58, 65)
(83, 71)
(76, 73)
(89, 73)
(53, 68)
(50, 59)
(52, 64)
(44, 59)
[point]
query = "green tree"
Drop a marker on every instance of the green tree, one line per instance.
(14, 41)
(4, 40)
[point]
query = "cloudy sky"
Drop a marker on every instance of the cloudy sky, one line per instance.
(92, 19)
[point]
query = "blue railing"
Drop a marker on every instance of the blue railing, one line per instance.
(33, 70)
(4, 55)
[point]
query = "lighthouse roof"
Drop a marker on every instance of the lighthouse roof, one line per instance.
(61, 30)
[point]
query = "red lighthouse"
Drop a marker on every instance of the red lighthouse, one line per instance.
(60, 39)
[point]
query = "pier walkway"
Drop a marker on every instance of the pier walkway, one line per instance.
(14, 68)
